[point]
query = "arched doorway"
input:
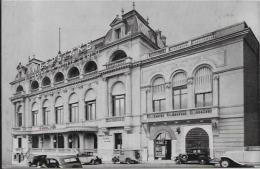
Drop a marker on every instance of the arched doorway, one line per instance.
(162, 146)
(197, 140)
(73, 141)
(58, 141)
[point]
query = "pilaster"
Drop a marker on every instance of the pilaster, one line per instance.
(191, 96)
(216, 90)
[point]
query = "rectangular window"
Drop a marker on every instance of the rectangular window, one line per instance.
(20, 119)
(159, 105)
(45, 112)
(34, 118)
(118, 141)
(59, 115)
(90, 110)
(180, 97)
(118, 33)
(74, 112)
(118, 105)
(203, 99)
(19, 142)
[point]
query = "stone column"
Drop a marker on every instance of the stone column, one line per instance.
(40, 116)
(66, 142)
(14, 122)
(51, 141)
(168, 96)
(24, 112)
(82, 109)
(174, 154)
(149, 100)
(128, 94)
(106, 97)
(150, 150)
(216, 90)
(191, 96)
(66, 112)
(81, 142)
(40, 141)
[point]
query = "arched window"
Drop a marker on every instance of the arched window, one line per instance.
(197, 141)
(118, 99)
(158, 89)
(59, 77)
(90, 105)
(19, 89)
(179, 91)
(46, 81)
(34, 85)
(90, 67)
(73, 108)
(34, 114)
(59, 115)
(73, 72)
(45, 112)
(19, 116)
(203, 87)
(117, 55)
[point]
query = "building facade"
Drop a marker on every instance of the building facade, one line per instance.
(130, 91)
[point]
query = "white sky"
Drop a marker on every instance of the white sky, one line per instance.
(31, 27)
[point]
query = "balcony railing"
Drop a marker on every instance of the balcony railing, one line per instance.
(201, 39)
(196, 113)
(85, 125)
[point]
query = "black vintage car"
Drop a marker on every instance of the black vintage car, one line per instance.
(194, 156)
(38, 161)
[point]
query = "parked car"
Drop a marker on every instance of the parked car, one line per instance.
(239, 158)
(127, 157)
(197, 156)
(37, 160)
(46, 161)
(89, 158)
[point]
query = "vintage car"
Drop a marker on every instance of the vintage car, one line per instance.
(196, 156)
(37, 160)
(89, 158)
(46, 161)
(127, 157)
(240, 158)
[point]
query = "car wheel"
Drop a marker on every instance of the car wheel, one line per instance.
(203, 162)
(92, 162)
(224, 163)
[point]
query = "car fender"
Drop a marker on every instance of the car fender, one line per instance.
(232, 160)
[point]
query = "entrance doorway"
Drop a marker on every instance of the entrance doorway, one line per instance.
(197, 140)
(162, 146)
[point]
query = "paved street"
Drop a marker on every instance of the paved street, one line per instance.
(148, 165)
(144, 165)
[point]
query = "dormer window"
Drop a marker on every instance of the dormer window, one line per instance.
(118, 33)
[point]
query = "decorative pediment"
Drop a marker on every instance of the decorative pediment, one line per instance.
(115, 21)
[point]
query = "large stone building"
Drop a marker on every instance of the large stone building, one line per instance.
(130, 91)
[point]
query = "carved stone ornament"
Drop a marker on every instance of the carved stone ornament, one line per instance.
(168, 85)
(190, 81)
(216, 77)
